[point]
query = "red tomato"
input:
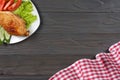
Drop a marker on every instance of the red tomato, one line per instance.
(2, 3)
(15, 5)
(9, 3)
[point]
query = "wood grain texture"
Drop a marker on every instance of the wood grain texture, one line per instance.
(78, 5)
(70, 30)
(67, 23)
(23, 78)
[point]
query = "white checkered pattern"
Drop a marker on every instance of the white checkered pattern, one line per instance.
(106, 66)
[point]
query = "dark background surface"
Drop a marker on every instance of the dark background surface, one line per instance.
(70, 30)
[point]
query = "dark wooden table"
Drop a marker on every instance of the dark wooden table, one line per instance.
(70, 30)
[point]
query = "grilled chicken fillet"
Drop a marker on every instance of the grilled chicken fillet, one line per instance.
(13, 24)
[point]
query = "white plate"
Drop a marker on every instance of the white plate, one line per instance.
(34, 26)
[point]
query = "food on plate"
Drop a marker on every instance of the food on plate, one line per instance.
(16, 17)
(4, 36)
(15, 5)
(13, 24)
(9, 5)
(25, 11)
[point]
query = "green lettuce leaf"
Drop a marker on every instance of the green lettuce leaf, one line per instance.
(25, 12)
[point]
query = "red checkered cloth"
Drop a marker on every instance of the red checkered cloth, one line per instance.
(106, 66)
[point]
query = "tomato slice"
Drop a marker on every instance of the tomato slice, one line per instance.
(10, 2)
(15, 5)
(2, 3)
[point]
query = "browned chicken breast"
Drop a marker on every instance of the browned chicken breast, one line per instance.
(13, 24)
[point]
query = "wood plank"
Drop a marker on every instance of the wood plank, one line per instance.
(23, 78)
(34, 65)
(78, 5)
(80, 23)
(83, 44)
